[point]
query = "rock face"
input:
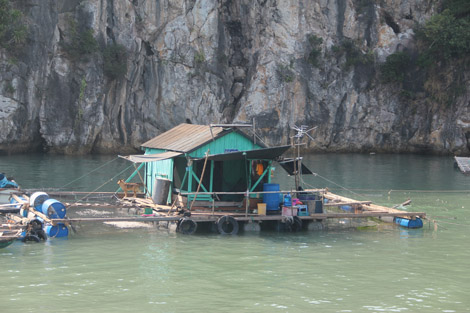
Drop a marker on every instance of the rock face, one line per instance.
(221, 62)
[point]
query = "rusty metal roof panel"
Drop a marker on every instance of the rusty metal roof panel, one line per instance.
(184, 137)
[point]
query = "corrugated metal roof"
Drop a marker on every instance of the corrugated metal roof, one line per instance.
(185, 137)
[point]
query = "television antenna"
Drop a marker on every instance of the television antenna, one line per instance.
(302, 131)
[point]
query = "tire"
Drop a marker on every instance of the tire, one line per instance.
(36, 224)
(186, 226)
(41, 234)
(31, 238)
(227, 225)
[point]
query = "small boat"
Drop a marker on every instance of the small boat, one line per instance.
(8, 237)
(5, 194)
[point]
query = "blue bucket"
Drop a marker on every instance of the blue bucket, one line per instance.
(58, 231)
(53, 208)
(271, 199)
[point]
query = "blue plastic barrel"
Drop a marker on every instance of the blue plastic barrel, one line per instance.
(37, 199)
(271, 199)
(416, 223)
(13, 201)
(53, 208)
(58, 231)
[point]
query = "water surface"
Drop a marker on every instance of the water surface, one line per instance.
(386, 269)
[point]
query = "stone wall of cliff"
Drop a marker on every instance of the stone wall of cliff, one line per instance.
(282, 63)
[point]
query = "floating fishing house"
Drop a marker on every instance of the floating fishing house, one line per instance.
(199, 161)
(223, 176)
(215, 176)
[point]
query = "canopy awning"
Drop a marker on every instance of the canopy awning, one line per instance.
(288, 166)
(142, 158)
(258, 154)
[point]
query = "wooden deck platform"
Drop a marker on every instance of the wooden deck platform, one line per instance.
(463, 164)
(239, 217)
(362, 209)
(243, 213)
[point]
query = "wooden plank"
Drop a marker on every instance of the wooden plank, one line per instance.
(207, 217)
(253, 192)
(330, 204)
(218, 204)
(369, 207)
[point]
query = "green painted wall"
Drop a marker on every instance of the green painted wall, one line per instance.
(236, 170)
(158, 169)
(232, 140)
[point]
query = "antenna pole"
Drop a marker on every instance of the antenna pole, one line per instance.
(296, 165)
(254, 130)
(301, 131)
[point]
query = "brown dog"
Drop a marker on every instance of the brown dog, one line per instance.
(134, 187)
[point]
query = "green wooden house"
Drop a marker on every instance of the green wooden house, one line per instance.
(233, 161)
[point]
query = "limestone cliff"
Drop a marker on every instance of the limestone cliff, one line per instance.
(279, 62)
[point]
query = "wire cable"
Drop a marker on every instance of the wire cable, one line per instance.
(84, 175)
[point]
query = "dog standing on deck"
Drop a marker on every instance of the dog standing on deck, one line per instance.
(134, 187)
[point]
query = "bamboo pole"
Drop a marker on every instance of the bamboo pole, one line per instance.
(147, 193)
(27, 207)
(200, 181)
(251, 192)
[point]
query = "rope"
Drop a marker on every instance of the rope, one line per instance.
(438, 221)
(342, 187)
(94, 170)
(429, 191)
(386, 190)
(100, 186)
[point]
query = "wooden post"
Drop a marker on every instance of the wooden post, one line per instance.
(213, 205)
(247, 201)
(211, 184)
(147, 193)
(189, 169)
(200, 181)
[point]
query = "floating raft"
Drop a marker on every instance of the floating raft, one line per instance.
(229, 216)
(463, 164)
(362, 209)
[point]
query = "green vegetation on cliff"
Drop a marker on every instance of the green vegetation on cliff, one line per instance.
(13, 30)
(354, 55)
(446, 36)
(115, 61)
(443, 49)
(80, 43)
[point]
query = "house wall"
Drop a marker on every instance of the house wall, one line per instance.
(158, 169)
(232, 140)
(164, 169)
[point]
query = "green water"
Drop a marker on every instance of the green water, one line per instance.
(385, 269)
